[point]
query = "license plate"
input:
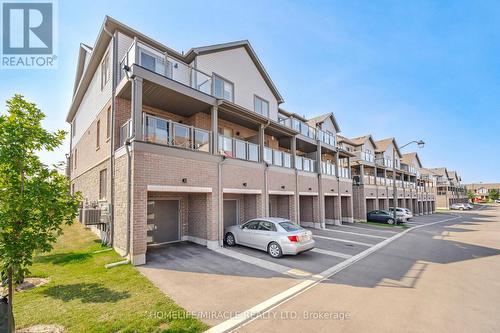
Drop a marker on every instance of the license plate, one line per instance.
(305, 238)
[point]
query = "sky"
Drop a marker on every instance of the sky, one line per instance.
(411, 70)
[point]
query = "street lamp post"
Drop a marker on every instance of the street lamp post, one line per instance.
(420, 144)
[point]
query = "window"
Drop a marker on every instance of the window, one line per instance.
(108, 123)
(98, 134)
(252, 225)
(289, 226)
(261, 106)
(103, 180)
(105, 73)
(223, 89)
(74, 157)
(267, 226)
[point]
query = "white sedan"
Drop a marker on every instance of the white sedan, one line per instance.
(276, 236)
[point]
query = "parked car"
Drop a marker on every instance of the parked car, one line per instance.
(459, 206)
(469, 205)
(409, 214)
(276, 236)
(497, 200)
(383, 216)
(402, 214)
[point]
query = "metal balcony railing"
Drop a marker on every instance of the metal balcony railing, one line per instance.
(309, 131)
(159, 62)
(277, 157)
(167, 132)
(236, 148)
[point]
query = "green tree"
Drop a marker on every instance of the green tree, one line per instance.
(470, 195)
(493, 194)
(34, 198)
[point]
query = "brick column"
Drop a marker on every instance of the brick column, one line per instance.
(137, 108)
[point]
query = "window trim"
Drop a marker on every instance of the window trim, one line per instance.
(98, 134)
(105, 71)
(108, 123)
(103, 191)
(214, 77)
(255, 99)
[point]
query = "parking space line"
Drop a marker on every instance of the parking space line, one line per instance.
(374, 228)
(282, 269)
(356, 233)
(257, 311)
(331, 253)
(343, 240)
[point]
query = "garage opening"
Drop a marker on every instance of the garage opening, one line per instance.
(163, 223)
(408, 204)
(382, 204)
(415, 206)
(420, 207)
(401, 203)
(346, 209)
(230, 213)
(391, 202)
(370, 205)
(307, 209)
(239, 208)
(279, 206)
(330, 209)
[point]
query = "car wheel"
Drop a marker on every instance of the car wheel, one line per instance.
(390, 221)
(274, 250)
(230, 241)
(461, 208)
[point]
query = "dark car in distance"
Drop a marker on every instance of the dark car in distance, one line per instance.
(381, 216)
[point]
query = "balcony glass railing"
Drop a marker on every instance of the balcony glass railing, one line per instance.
(369, 180)
(309, 131)
(277, 157)
(158, 62)
(305, 164)
(167, 132)
(366, 156)
(328, 168)
(240, 149)
(380, 181)
(125, 132)
(343, 172)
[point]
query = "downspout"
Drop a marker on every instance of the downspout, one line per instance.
(266, 166)
(128, 142)
(114, 63)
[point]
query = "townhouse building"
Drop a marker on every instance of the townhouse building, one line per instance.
(373, 180)
(449, 189)
(481, 191)
(177, 146)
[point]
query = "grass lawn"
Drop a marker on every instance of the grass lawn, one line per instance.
(83, 296)
(386, 225)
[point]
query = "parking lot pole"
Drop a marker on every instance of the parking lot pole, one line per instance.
(394, 194)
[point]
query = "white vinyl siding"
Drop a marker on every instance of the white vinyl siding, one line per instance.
(236, 66)
(92, 103)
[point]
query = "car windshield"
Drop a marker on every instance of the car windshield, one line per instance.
(289, 226)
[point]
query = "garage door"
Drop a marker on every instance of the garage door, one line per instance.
(230, 212)
(163, 221)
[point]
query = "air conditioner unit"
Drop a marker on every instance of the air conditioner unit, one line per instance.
(90, 216)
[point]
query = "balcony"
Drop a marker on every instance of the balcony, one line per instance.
(240, 149)
(328, 168)
(309, 131)
(305, 164)
(343, 172)
(166, 132)
(277, 157)
(160, 63)
(370, 180)
(365, 156)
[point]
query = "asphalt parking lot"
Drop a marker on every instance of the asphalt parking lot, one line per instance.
(333, 245)
(180, 268)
